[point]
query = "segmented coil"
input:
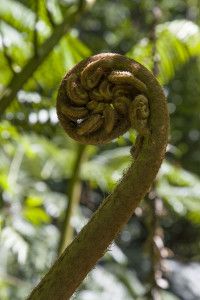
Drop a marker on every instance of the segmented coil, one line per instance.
(101, 98)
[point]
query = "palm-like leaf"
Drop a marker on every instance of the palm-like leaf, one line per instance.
(177, 42)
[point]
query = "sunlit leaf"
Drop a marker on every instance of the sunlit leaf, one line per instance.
(33, 201)
(20, 17)
(177, 41)
(36, 215)
(14, 242)
(181, 191)
(107, 168)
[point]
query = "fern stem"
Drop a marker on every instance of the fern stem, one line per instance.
(146, 95)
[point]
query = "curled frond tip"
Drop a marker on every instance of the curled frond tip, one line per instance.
(102, 97)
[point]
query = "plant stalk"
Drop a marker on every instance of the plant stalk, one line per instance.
(73, 199)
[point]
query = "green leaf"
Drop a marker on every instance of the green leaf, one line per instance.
(177, 42)
(13, 241)
(4, 182)
(33, 201)
(105, 169)
(17, 15)
(181, 191)
(22, 17)
(36, 215)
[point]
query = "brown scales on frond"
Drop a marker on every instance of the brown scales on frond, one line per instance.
(108, 91)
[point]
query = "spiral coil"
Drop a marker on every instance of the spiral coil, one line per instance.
(101, 98)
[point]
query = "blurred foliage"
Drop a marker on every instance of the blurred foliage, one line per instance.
(36, 157)
(177, 41)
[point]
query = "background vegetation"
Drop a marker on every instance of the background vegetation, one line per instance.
(43, 172)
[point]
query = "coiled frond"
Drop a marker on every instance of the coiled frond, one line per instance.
(101, 98)
(98, 100)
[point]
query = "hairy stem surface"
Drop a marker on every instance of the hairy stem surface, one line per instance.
(141, 104)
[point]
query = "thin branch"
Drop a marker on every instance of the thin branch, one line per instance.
(32, 65)
(154, 252)
(50, 17)
(35, 31)
(6, 55)
(73, 197)
(153, 38)
(154, 291)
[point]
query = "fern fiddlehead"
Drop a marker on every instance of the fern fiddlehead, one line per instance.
(101, 99)
(98, 100)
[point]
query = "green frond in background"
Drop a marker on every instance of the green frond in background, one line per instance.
(177, 41)
(181, 191)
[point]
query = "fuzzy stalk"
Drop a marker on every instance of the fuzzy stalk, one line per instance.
(91, 243)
